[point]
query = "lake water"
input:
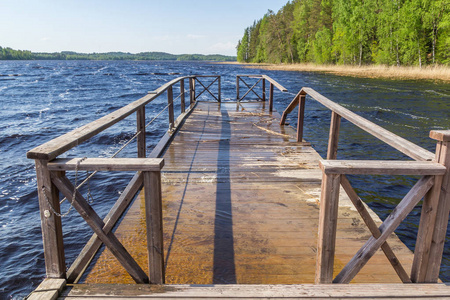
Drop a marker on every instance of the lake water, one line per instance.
(40, 100)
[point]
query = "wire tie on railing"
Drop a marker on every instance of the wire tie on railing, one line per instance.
(73, 196)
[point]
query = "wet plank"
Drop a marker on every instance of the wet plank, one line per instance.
(241, 205)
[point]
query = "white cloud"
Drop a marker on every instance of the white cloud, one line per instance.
(44, 39)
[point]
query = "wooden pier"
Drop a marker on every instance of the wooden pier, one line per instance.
(237, 204)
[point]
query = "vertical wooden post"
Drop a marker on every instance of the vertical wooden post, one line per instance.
(170, 102)
(55, 265)
(434, 218)
(264, 89)
(220, 89)
(329, 203)
(271, 97)
(153, 214)
(141, 145)
(333, 138)
(182, 97)
(192, 89)
(301, 117)
(237, 88)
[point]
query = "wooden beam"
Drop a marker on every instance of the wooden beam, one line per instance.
(370, 223)
(140, 120)
(182, 97)
(90, 249)
(107, 164)
(301, 118)
(192, 90)
(381, 167)
(206, 88)
(333, 138)
(443, 207)
(326, 241)
(52, 237)
(63, 143)
(276, 84)
(94, 221)
(391, 223)
(250, 89)
(237, 87)
(170, 104)
(153, 216)
(399, 143)
(271, 97)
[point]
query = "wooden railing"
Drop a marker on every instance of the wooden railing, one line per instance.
(52, 181)
(262, 79)
(433, 187)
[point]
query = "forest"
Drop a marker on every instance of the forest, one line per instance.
(11, 54)
(351, 32)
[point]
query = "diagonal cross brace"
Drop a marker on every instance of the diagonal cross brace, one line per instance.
(95, 222)
(207, 88)
(250, 89)
(370, 223)
(399, 213)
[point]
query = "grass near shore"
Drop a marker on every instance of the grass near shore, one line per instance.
(434, 73)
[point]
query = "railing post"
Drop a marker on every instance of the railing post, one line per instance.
(301, 117)
(326, 242)
(192, 89)
(237, 88)
(264, 89)
(170, 103)
(183, 99)
(333, 138)
(153, 216)
(434, 218)
(55, 265)
(141, 145)
(271, 97)
(220, 89)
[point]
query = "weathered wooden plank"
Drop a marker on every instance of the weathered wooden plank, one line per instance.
(107, 164)
(153, 216)
(170, 104)
(52, 237)
(300, 118)
(326, 241)
(182, 97)
(140, 120)
(94, 221)
(333, 137)
(443, 208)
(93, 245)
(49, 289)
(365, 215)
(271, 97)
(247, 291)
(275, 83)
(411, 199)
(381, 167)
(399, 143)
(55, 147)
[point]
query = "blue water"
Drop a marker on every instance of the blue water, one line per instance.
(40, 100)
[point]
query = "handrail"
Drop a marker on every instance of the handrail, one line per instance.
(412, 150)
(433, 187)
(63, 143)
(51, 180)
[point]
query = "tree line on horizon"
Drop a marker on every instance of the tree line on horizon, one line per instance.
(11, 54)
(353, 32)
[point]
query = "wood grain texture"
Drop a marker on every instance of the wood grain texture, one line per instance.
(107, 164)
(381, 167)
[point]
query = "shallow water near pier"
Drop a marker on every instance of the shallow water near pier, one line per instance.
(41, 100)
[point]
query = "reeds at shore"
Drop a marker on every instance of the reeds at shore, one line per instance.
(434, 73)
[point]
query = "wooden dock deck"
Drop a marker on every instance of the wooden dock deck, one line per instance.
(236, 204)
(240, 205)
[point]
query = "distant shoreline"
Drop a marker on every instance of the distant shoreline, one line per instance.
(433, 73)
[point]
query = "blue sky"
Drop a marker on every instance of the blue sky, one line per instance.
(174, 26)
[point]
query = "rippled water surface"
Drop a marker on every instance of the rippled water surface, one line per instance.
(40, 100)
